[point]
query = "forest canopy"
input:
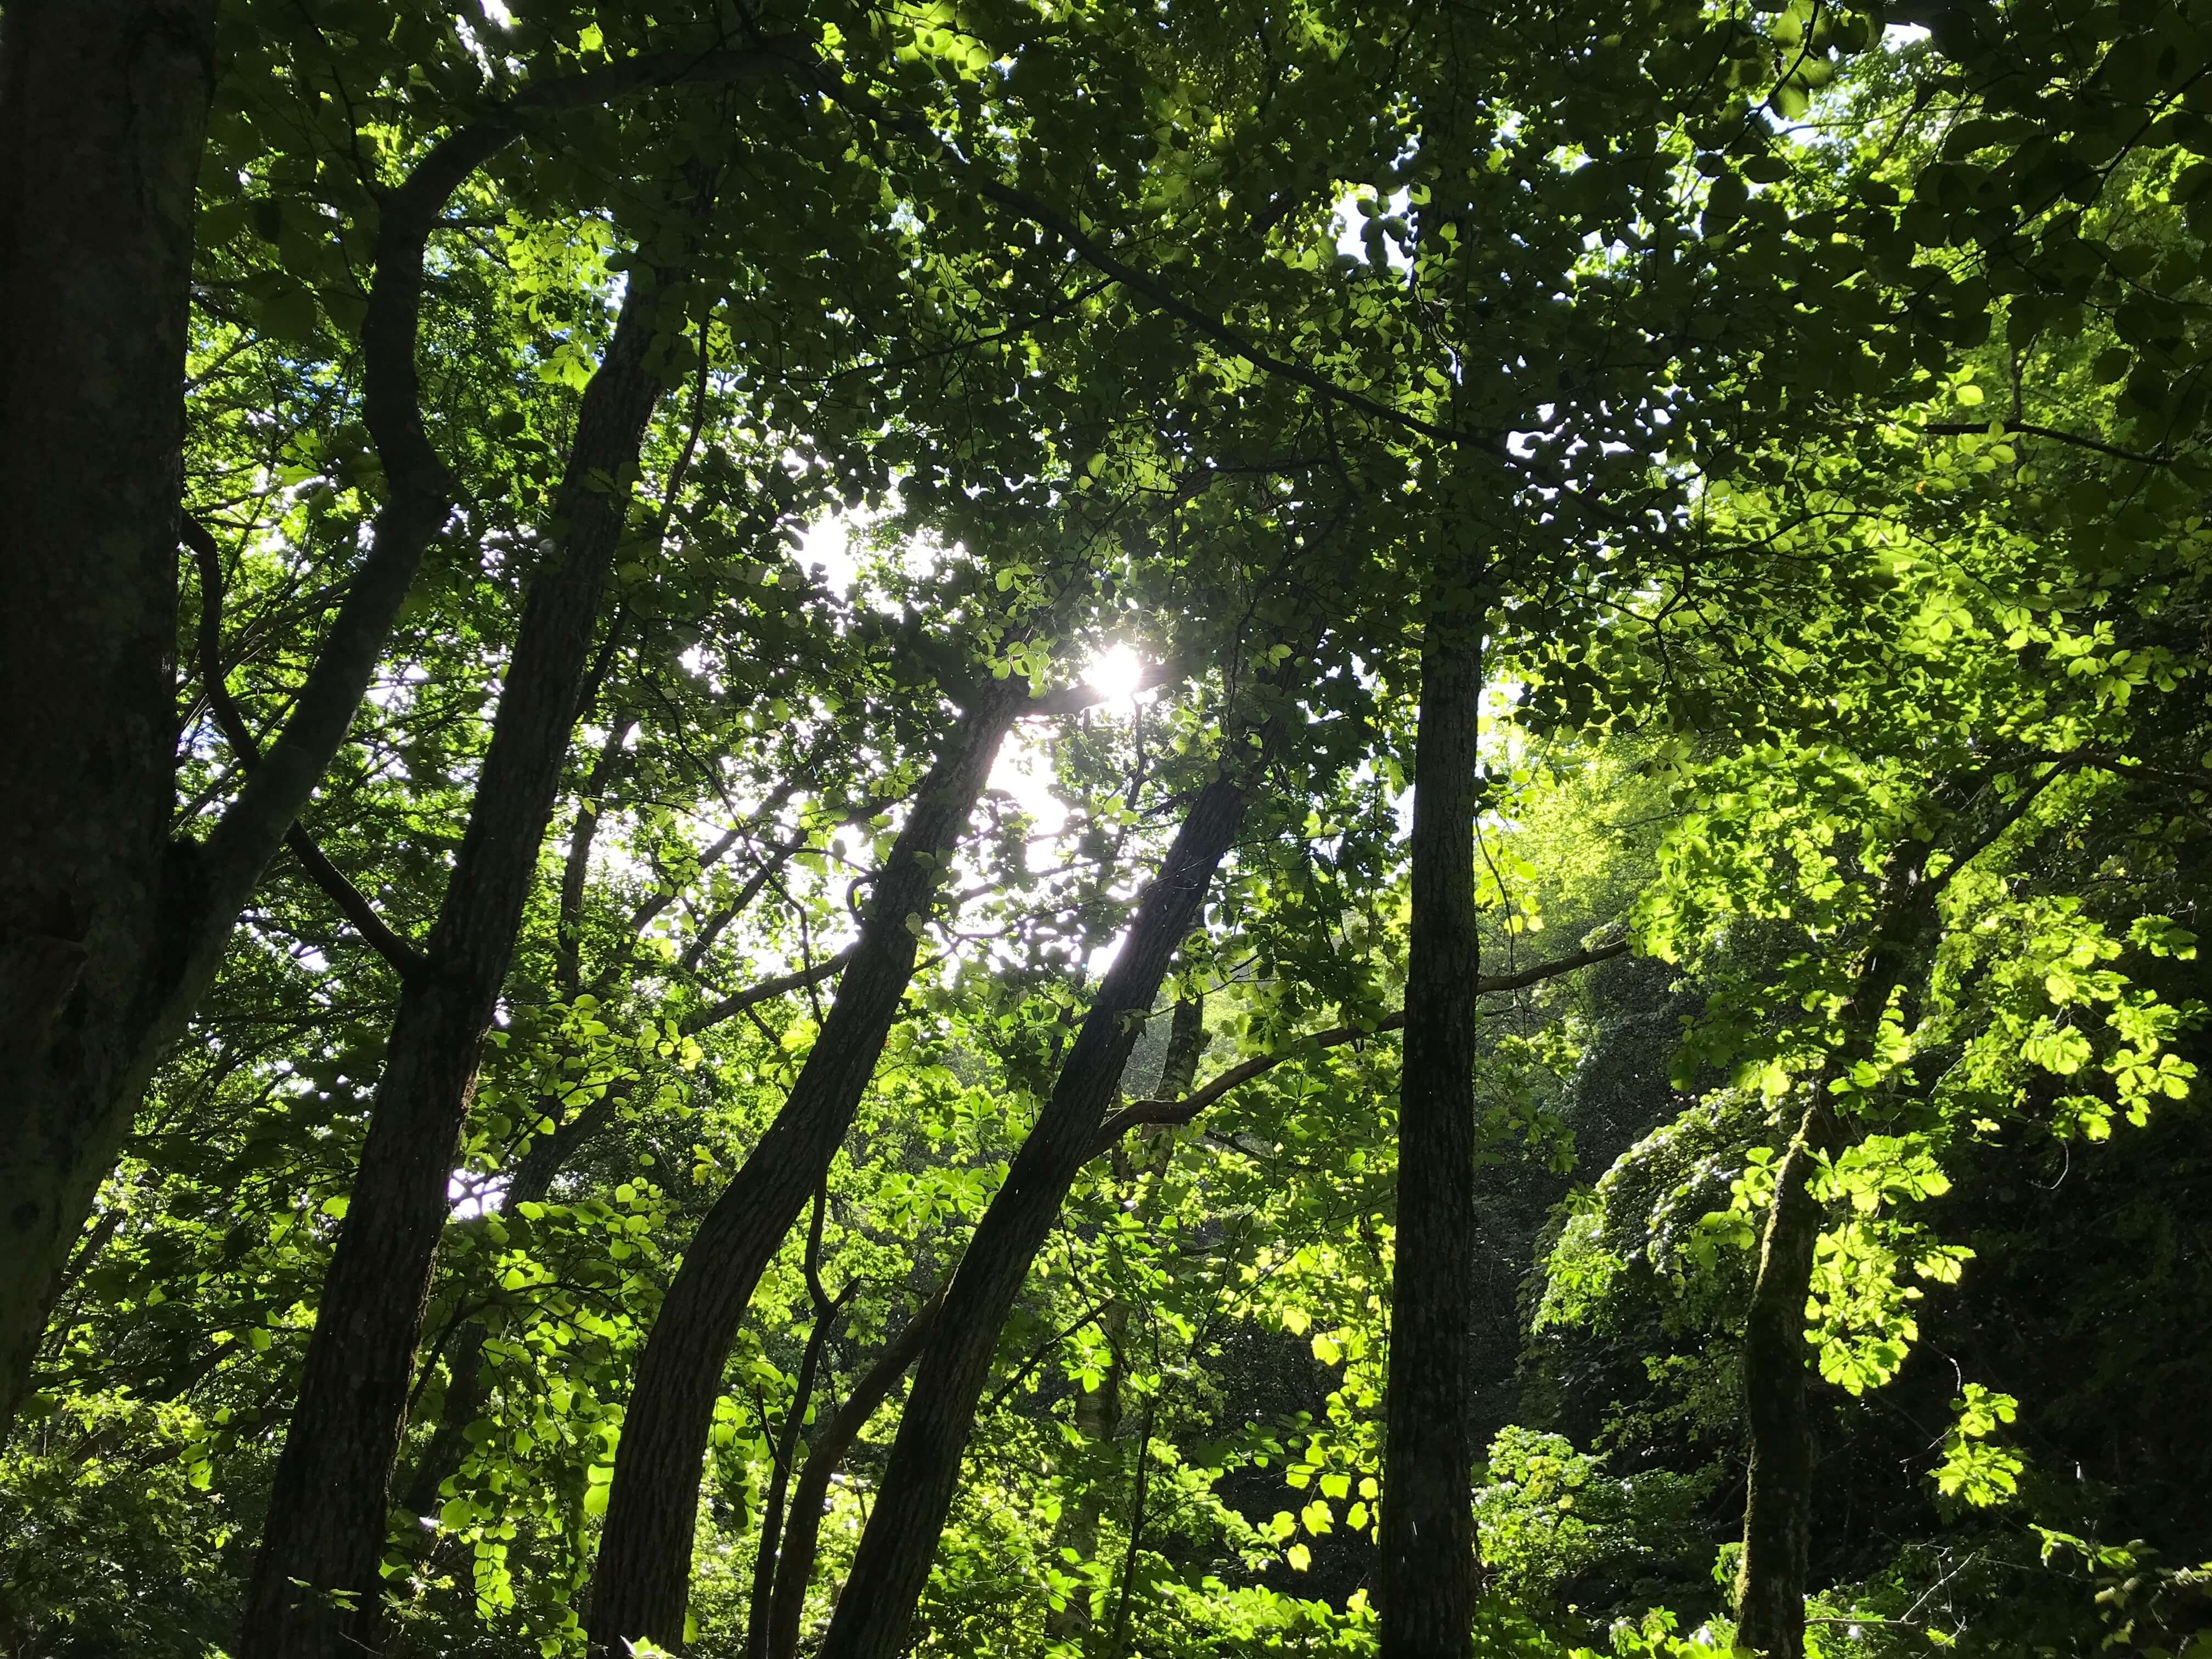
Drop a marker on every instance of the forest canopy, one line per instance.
(1035, 827)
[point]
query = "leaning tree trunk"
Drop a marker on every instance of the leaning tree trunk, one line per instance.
(892, 1566)
(1427, 1572)
(1770, 1579)
(809, 1498)
(641, 1583)
(325, 1533)
(103, 104)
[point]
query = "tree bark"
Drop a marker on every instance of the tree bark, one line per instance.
(643, 1580)
(326, 1522)
(1426, 1576)
(1096, 1421)
(1778, 1514)
(103, 105)
(892, 1566)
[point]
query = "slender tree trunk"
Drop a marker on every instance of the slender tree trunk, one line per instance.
(1097, 1420)
(1098, 1412)
(892, 1566)
(1427, 1570)
(326, 1523)
(768, 1550)
(103, 104)
(1117, 1635)
(810, 1498)
(1779, 1496)
(643, 1580)
(1771, 1581)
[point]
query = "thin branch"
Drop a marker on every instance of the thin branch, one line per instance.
(825, 80)
(422, 490)
(350, 901)
(1183, 1111)
(1969, 428)
(768, 989)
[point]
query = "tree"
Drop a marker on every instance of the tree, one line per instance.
(1761, 452)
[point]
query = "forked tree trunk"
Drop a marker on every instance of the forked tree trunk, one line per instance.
(110, 933)
(316, 1586)
(768, 1542)
(1426, 1580)
(892, 1566)
(103, 104)
(642, 1581)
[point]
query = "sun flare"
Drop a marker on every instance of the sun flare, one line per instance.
(1117, 673)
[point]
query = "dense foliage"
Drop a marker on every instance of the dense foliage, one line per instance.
(861, 491)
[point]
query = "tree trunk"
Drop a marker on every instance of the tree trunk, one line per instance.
(892, 1566)
(1771, 1580)
(810, 1498)
(1426, 1578)
(1097, 1420)
(326, 1522)
(768, 1544)
(103, 104)
(642, 1581)
(110, 933)
(1097, 1411)
(768, 1547)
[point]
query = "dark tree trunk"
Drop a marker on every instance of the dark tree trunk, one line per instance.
(325, 1528)
(643, 1580)
(1426, 1578)
(108, 933)
(102, 107)
(1096, 1421)
(1778, 1514)
(810, 1498)
(892, 1566)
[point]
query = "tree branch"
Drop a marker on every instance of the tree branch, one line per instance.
(350, 901)
(422, 490)
(1969, 428)
(1183, 1111)
(825, 80)
(768, 989)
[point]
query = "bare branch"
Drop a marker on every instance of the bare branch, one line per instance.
(1183, 1111)
(350, 899)
(1966, 428)
(768, 990)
